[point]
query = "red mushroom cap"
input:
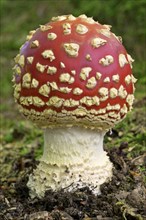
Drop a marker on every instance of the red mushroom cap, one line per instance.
(74, 71)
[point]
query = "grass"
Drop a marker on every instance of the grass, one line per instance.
(132, 130)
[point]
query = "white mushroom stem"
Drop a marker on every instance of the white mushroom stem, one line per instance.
(72, 158)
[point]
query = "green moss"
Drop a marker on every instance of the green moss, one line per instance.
(24, 150)
(131, 130)
(8, 138)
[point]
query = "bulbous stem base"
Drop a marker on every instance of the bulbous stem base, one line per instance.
(73, 158)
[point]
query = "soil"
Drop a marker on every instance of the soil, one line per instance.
(124, 197)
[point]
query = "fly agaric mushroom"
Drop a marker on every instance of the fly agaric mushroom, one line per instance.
(73, 78)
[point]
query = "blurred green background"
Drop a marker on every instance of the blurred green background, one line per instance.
(128, 18)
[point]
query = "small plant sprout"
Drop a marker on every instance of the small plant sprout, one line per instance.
(73, 78)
